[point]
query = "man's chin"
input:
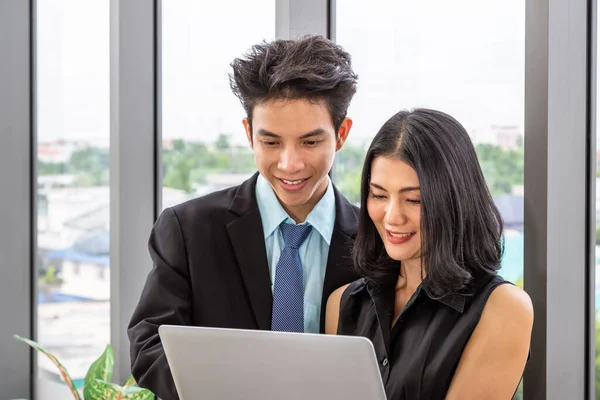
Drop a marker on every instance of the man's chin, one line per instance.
(292, 200)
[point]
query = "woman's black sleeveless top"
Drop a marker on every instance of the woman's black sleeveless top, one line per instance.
(419, 355)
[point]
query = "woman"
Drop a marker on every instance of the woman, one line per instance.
(429, 243)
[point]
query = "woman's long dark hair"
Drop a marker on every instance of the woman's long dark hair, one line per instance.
(461, 228)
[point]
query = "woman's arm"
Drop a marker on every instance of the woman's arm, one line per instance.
(332, 311)
(494, 358)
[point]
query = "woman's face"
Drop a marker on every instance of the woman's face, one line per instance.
(394, 205)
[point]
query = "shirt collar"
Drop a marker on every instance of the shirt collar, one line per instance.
(455, 301)
(321, 218)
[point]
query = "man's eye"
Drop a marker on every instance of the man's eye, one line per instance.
(311, 142)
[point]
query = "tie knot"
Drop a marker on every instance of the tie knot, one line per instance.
(294, 235)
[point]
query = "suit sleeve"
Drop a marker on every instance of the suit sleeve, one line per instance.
(165, 299)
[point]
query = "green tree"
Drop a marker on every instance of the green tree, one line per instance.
(179, 162)
(91, 165)
(349, 185)
(519, 282)
(45, 168)
(242, 160)
(350, 157)
(347, 171)
(222, 144)
(502, 169)
(188, 163)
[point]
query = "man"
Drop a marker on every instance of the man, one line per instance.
(265, 254)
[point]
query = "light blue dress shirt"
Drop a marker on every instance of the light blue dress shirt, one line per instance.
(313, 252)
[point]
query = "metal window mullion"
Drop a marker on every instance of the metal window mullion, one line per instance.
(556, 197)
(17, 176)
(295, 18)
(133, 165)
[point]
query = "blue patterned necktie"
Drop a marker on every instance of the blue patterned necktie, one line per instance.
(288, 294)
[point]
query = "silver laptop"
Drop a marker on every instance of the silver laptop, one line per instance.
(224, 364)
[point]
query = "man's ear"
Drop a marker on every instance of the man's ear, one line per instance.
(248, 129)
(343, 133)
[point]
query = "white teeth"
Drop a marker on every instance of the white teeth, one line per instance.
(293, 182)
(401, 235)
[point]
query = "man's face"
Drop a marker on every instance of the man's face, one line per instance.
(294, 145)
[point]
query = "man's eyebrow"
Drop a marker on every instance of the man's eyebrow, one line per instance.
(316, 132)
(264, 132)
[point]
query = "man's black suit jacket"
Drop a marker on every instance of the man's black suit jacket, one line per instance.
(210, 269)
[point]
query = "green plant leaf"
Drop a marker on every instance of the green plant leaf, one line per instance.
(137, 393)
(101, 369)
(129, 382)
(101, 390)
(63, 372)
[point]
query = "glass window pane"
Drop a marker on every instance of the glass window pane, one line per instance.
(72, 104)
(463, 57)
(204, 143)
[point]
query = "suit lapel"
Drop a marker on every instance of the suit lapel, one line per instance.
(248, 243)
(339, 270)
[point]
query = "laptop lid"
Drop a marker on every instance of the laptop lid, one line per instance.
(216, 363)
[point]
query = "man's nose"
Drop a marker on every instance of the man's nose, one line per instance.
(290, 161)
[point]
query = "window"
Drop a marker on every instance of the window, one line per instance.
(204, 144)
(73, 312)
(465, 58)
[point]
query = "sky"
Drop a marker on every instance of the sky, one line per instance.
(464, 57)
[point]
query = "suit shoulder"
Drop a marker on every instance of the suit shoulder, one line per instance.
(209, 204)
(347, 214)
(341, 200)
